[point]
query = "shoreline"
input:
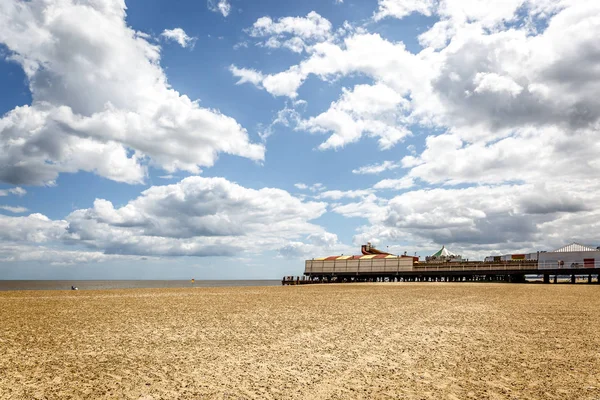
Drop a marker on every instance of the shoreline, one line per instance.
(104, 284)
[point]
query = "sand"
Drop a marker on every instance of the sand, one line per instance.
(347, 341)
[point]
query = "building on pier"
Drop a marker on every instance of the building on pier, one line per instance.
(571, 256)
(443, 255)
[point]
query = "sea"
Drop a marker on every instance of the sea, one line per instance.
(127, 284)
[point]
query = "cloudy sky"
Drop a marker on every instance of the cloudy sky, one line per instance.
(233, 139)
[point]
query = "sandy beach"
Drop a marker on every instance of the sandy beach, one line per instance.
(363, 341)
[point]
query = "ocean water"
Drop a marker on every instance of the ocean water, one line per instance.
(127, 284)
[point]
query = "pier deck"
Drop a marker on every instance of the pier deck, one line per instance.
(473, 271)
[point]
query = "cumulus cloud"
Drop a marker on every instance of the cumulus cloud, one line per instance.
(482, 84)
(47, 255)
(368, 207)
(315, 187)
(15, 209)
(528, 155)
(18, 191)
(34, 228)
(247, 75)
(221, 6)
(375, 110)
(284, 83)
(293, 33)
(510, 93)
(360, 52)
(178, 35)
(491, 82)
(340, 194)
(101, 101)
(315, 244)
(194, 217)
(474, 220)
(396, 184)
(403, 8)
(376, 168)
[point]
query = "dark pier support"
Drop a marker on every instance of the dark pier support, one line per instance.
(546, 278)
(572, 278)
(590, 278)
(556, 278)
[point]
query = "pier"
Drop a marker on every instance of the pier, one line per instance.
(375, 265)
(468, 272)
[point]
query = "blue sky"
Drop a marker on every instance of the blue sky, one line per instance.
(230, 139)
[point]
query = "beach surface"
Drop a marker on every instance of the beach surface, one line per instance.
(346, 341)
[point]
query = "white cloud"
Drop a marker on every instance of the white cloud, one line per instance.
(284, 83)
(314, 245)
(339, 194)
(178, 35)
(403, 8)
(246, 75)
(511, 104)
(220, 6)
(239, 45)
(294, 33)
(438, 35)
(528, 155)
(16, 210)
(375, 110)
(18, 191)
(366, 53)
(369, 207)
(34, 228)
(315, 187)
(478, 219)
(395, 184)
(491, 82)
(286, 117)
(101, 101)
(57, 255)
(482, 86)
(196, 217)
(376, 168)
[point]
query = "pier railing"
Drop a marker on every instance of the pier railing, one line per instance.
(508, 266)
(590, 263)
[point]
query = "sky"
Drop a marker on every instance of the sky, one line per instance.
(230, 139)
